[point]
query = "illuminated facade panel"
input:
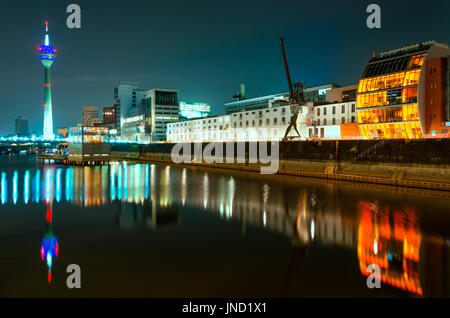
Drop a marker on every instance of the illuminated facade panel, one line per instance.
(194, 110)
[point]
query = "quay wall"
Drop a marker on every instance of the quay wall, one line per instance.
(414, 163)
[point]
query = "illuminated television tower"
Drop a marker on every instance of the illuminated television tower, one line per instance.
(47, 55)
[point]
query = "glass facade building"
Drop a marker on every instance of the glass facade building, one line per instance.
(391, 93)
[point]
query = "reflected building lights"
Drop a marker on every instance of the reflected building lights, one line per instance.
(15, 186)
(104, 182)
(231, 190)
(125, 181)
(26, 187)
(4, 188)
(49, 178)
(112, 183)
(37, 184)
(58, 184)
(152, 183)
(394, 248)
(183, 186)
(119, 182)
(69, 184)
(147, 180)
(205, 190)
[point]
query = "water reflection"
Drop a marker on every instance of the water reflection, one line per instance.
(149, 195)
(50, 245)
(394, 248)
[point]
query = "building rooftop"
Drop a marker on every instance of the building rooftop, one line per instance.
(283, 94)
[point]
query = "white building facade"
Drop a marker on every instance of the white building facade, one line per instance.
(315, 120)
(327, 119)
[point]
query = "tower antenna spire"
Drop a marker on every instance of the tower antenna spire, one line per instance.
(47, 40)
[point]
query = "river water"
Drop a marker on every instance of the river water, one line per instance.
(145, 230)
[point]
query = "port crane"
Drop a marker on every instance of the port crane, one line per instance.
(296, 96)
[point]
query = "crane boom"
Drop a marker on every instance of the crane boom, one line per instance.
(291, 91)
(296, 98)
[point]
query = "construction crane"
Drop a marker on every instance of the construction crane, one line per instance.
(296, 96)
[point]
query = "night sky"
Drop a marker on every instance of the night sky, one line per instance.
(202, 48)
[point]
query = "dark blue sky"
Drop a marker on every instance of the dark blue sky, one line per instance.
(202, 48)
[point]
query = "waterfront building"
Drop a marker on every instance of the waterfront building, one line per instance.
(47, 55)
(127, 96)
(189, 110)
(401, 93)
(21, 126)
(136, 127)
(88, 143)
(333, 121)
(90, 116)
(213, 128)
(317, 119)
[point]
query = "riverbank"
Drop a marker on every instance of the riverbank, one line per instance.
(416, 176)
(417, 163)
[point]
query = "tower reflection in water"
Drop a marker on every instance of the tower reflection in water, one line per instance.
(152, 195)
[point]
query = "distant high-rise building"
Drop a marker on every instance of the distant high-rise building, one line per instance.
(21, 126)
(110, 114)
(164, 108)
(90, 116)
(127, 96)
(47, 55)
(62, 131)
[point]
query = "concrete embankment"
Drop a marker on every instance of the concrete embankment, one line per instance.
(418, 163)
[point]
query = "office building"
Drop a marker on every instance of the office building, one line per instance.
(160, 107)
(127, 96)
(401, 93)
(136, 127)
(90, 116)
(21, 126)
(110, 114)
